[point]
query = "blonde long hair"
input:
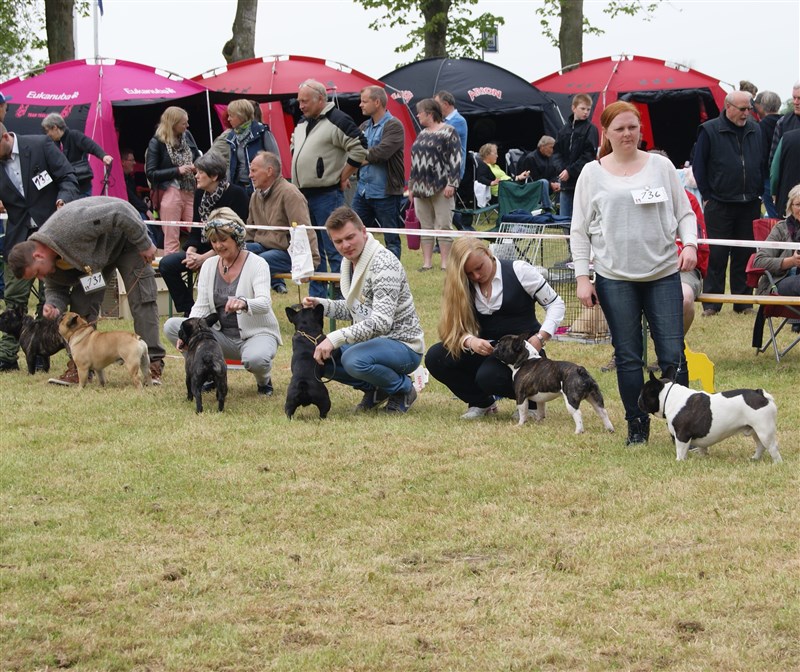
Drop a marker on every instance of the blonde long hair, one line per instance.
(458, 316)
(166, 126)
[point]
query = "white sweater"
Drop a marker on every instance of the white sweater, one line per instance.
(630, 242)
(253, 285)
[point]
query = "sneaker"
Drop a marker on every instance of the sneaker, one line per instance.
(9, 365)
(710, 312)
(402, 401)
(208, 386)
(266, 389)
(371, 400)
(40, 363)
(156, 369)
(474, 412)
(746, 311)
(69, 377)
(280, 289)
(796, 327)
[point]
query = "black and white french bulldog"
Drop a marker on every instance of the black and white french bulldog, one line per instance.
(541, 380)
(698, 419)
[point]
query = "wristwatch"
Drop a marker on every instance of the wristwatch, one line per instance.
(243, 300)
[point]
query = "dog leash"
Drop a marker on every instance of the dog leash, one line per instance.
(315, 340)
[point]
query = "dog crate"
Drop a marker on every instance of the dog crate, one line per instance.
(580, 324)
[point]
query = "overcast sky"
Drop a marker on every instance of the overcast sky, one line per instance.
(729, 40)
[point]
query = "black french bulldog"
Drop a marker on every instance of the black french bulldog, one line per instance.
(305, 388)
(37, 337)
(204, 360)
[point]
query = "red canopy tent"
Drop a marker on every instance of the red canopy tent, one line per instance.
(116, 103)
(275, 79)
(672, 98)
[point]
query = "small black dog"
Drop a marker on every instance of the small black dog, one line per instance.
(541, 380)
(37, 338)
(305, 388)
(204, 360)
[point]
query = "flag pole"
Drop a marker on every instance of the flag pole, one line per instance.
(96, 21)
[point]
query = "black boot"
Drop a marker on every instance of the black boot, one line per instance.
(638, 431)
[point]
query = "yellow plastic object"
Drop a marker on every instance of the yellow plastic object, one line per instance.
(700, 368)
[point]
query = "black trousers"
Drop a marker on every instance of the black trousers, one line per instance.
(732, 221)
(474, 379)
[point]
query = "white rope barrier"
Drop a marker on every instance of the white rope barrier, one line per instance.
(449, 233)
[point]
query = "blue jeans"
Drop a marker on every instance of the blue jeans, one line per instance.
(565, 199)
(383, 212)
(380, 363)
(321, 205)
(280, 261)
(624, 303)
(769, 206)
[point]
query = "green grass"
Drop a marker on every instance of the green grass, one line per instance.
(136, 535)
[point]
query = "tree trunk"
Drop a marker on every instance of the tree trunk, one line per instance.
(435, 14)
(243, 43)
(58, 24)
(570, 33)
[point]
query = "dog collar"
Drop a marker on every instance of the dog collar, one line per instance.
(666, 396)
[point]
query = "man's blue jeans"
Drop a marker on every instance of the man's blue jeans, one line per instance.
(383, 212)
(280, 261)
(623, 303)
(321, 205)
(380, 363)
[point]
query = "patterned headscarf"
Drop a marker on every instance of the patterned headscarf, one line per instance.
(225, 220)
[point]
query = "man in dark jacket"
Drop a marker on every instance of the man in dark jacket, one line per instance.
(788, 122)
(35, 179)
(767, 104)
(731, 196)
(785, 172)
(576, 145)
(540, 163)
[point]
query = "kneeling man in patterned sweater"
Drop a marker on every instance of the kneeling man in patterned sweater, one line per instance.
(385, 343)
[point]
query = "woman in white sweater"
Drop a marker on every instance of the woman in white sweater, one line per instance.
(629, 209)
(235, 285)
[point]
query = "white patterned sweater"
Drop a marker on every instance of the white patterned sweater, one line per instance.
(377, 298)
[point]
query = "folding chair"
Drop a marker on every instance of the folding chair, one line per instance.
(483, 211)
(513, 157)
(775, 317)
(513, 195)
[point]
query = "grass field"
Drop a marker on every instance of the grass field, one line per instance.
(136, 535)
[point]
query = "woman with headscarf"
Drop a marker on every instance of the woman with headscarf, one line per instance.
(169, 166)
(235, 285)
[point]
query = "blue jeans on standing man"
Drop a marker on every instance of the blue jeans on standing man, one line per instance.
(623, 303)
(383, 212)
(321, 203)
(380, 363)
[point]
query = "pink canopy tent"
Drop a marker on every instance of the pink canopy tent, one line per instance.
(275, 79)
(672, 99)
(116, 103)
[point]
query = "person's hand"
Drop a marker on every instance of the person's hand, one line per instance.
(2, 207)
(586, 292)
(344, 182)
(323, 351)
(149, 215)
(480, 346)
(555, 186)
(449, 191)
(179, 345)
(309, 301)
(234, 305)
(186, 170)
(495, 182)
(193, 261)
(149, 254)
(523, 175)
(688, 258)
(50, 311)
(108, 159)
(563, 175)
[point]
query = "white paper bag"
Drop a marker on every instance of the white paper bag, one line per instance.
(300, 252)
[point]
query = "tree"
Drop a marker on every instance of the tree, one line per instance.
(573, 24)
(243, 43)
(447, 28)
(20, 37)
(58, 15)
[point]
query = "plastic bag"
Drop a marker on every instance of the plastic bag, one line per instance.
(300, 252)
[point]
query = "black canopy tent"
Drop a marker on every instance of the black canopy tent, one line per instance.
(499, 106)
